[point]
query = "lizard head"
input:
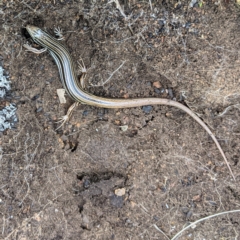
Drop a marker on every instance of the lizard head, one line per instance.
(35, 32)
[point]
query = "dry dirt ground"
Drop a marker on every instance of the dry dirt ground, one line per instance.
(93, 178)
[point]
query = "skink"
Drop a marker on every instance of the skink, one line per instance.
(74, 89)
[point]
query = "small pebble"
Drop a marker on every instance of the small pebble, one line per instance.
(162, 90)
(147, 109)
(35, 97)
(39, 109)
(157, 91)
(124, 128)
(170, 92)
(157, 84)
(116, 201)
(85, 113)
(120, 191)
(86, 183)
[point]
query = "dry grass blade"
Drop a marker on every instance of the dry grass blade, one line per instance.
(201, 220)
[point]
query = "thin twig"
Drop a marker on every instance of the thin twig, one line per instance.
(229, 107)
(203, 219)
(118, 6)
(103, 83)
(114, 72)
(150, 3)
(161, 231)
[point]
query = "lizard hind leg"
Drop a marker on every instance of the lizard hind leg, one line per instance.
(65, 118)
(83, 76)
